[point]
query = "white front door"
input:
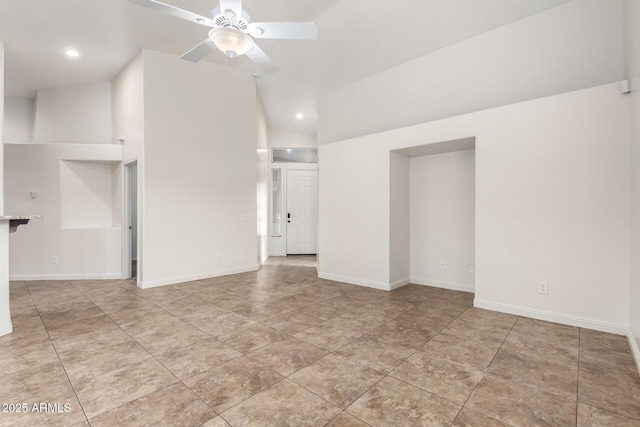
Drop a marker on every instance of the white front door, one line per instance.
(302, 208)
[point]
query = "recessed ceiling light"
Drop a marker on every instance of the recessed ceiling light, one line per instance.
(72, 52)
(299, 116)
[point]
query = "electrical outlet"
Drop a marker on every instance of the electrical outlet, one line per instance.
(472, 269)
(218, 258)
(544, 288)
(54, 260)
(443, 266)
(333, 260)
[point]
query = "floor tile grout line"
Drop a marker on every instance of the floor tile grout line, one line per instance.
(334, 351)
(60, 360)
(578, 379)
(145, 349)
(156, 359)
(484, 372)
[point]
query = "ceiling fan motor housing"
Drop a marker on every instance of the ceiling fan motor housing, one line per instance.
(230, 19)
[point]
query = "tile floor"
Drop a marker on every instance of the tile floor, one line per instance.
(280, 347)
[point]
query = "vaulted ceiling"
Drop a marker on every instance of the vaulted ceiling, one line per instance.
(357, 38)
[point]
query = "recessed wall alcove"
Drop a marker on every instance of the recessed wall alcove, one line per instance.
(432, 215)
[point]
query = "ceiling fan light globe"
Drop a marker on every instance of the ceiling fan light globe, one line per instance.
(231, 41)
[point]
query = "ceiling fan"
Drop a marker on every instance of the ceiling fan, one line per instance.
(232, 31)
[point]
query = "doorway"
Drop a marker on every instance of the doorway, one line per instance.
(302, 211)
(131, 268)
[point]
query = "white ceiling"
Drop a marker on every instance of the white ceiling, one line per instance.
(357, 38)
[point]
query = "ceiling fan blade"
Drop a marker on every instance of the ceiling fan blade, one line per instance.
(261, 59)
(284, 30)
(200, 51)
(175, 11)
(234, 5)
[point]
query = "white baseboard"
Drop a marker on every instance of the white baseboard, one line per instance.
(634, 348)
(146, 284)
(355, 281)
(399, 283)
(277, 254)
(444, 285)
(6, 329)
(552, 317)
(65, 276)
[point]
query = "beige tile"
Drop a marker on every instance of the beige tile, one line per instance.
(453, 307)
(552, 374)
(165, 338)
(84, 363)
(542, 329)
(283, 404)
(292, 321)
(188, 361)
(261, 312)
(602, 341)
(521, 405)
(107, 391)
(394, 403)
(226, 385)
(57, 318)
(346, 420)
(14, 359)
(589, 416)
(547, 346)
(366, 326)
(225, 324)
(123, 302)
(473, 351)
(469, 418)
(139, 312)
(614, 389)
(216, 422)
(328, 337)
(394, 333)
(610, 352)
(337, 379)
(376, 312)
(376, 353)
(327, 310)
(26, 383)
(252, 337)
(61, 408)
(447, 379)
(288, 356)
(174, 405)
(203, 315)
(95, 333)
(159, 322)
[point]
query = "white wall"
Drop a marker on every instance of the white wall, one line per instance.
(74, 114)
(354, 212)
(632, 70)
(262, 188)
(19, 114)
(399, 215)
(5, 314)
(85, 249)
(573, 46)
(552, 204)
(127, 99)
(283, 138)
(443, 219)
(199, 170)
